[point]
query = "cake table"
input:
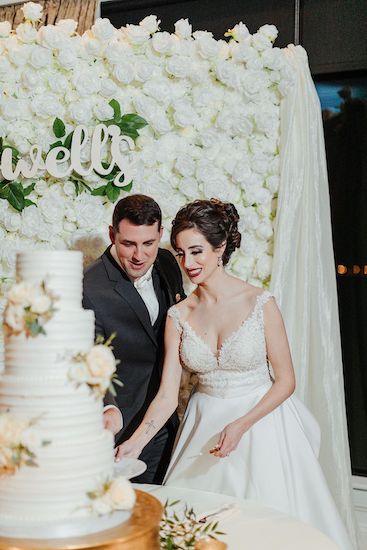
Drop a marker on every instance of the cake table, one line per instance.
(140, 532)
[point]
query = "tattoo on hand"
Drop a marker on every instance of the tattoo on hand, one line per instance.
(150, 426)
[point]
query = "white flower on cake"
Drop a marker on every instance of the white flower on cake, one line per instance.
(19, 442)
(97, 368)
(29, 307)
(114, 494)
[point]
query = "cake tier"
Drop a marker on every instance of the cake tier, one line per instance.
(62, 270)
(69, 332)
(77, 459)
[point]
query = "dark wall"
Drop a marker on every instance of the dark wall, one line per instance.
(332, 31)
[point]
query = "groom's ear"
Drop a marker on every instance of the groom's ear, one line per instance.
(112, 234)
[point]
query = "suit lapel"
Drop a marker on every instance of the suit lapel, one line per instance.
(166, 284)
(130, 295)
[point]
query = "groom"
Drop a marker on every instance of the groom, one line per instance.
(130, 287)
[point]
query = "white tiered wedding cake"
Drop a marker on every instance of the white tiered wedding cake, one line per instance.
(56, 459)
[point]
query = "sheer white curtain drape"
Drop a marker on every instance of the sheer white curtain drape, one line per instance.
(303, 277)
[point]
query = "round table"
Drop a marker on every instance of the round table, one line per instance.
(247, 524)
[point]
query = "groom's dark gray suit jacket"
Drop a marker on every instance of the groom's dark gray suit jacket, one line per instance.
(138, 345)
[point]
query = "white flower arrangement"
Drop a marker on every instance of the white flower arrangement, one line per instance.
(96, 369)
(29, 307)
(19, 442)
(213, 112)
(113, 495)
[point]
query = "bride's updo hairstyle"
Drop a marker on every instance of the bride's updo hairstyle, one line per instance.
(217, 221)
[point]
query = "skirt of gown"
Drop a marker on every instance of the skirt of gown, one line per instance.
(275, 462)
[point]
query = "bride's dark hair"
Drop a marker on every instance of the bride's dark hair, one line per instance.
(217, 221)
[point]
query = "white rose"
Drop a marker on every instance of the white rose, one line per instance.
(46, 105)
(10, 109)
(264, 230)
(183, 29)
(122, 494)
(51, 205)
(40, 303)
(67, 57)
(26, 32)
(101, 506)
(190, 188)
(150, 23)
(31, 439)
(51, 37)
(239, 32)
(208, 47)
(58, 82)
(103, 29)
(160, 122)
(80, 112)
(78, 372)
(41, 187)
(250, 219)
(136, 34)
(40, 57)
(178, 66)
(260, 41)
(89, 211)
(143, 70)
(185, 165)
(184, 114)
(260, 163)
(101, 361)
(206, 171)
(32, 11)
(94, 47)
(30, 221)
(5, 28)
(108, 88)
(270, 31)
(103, 111)
(14, 318)
(67, 26)
(162, 42)
(87, 82)
(272, 183)
(158, 89)
(241, 171)
(124, 72)
(31, 79)
(12, 221)
(263, 266)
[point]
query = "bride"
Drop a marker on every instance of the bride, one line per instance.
(243, 433)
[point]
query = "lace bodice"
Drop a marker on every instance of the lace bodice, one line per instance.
(241, 361)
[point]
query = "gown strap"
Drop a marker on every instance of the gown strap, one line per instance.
(175, 315)
(263, 299)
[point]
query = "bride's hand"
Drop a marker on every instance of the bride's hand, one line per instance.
(229, 438)
(127, 448)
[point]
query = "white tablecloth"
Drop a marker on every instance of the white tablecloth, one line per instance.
(248, 525)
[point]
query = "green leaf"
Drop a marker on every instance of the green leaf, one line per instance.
(134, 121)
(56, 144)
(127, 187)
(58, 128)
(127, 131)
(68, 139)
(4, 192)
(116, 110)
(112, 192)
(29, 189)
(99, 191)
(28, 202)
(15, 195)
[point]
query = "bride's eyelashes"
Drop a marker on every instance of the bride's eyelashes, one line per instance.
(194, 253)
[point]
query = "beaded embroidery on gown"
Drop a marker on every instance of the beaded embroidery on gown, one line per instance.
(276, 460)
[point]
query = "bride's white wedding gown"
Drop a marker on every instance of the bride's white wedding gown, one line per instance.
(276, 460)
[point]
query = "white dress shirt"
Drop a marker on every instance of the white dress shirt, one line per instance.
(144, 285)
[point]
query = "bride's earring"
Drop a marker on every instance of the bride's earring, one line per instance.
(220, 261)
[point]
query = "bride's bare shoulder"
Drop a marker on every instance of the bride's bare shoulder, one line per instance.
(187, 305)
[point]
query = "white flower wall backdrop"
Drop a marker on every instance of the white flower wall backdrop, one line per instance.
(212, 108)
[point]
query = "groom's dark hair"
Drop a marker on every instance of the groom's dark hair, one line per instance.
(138, 209)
